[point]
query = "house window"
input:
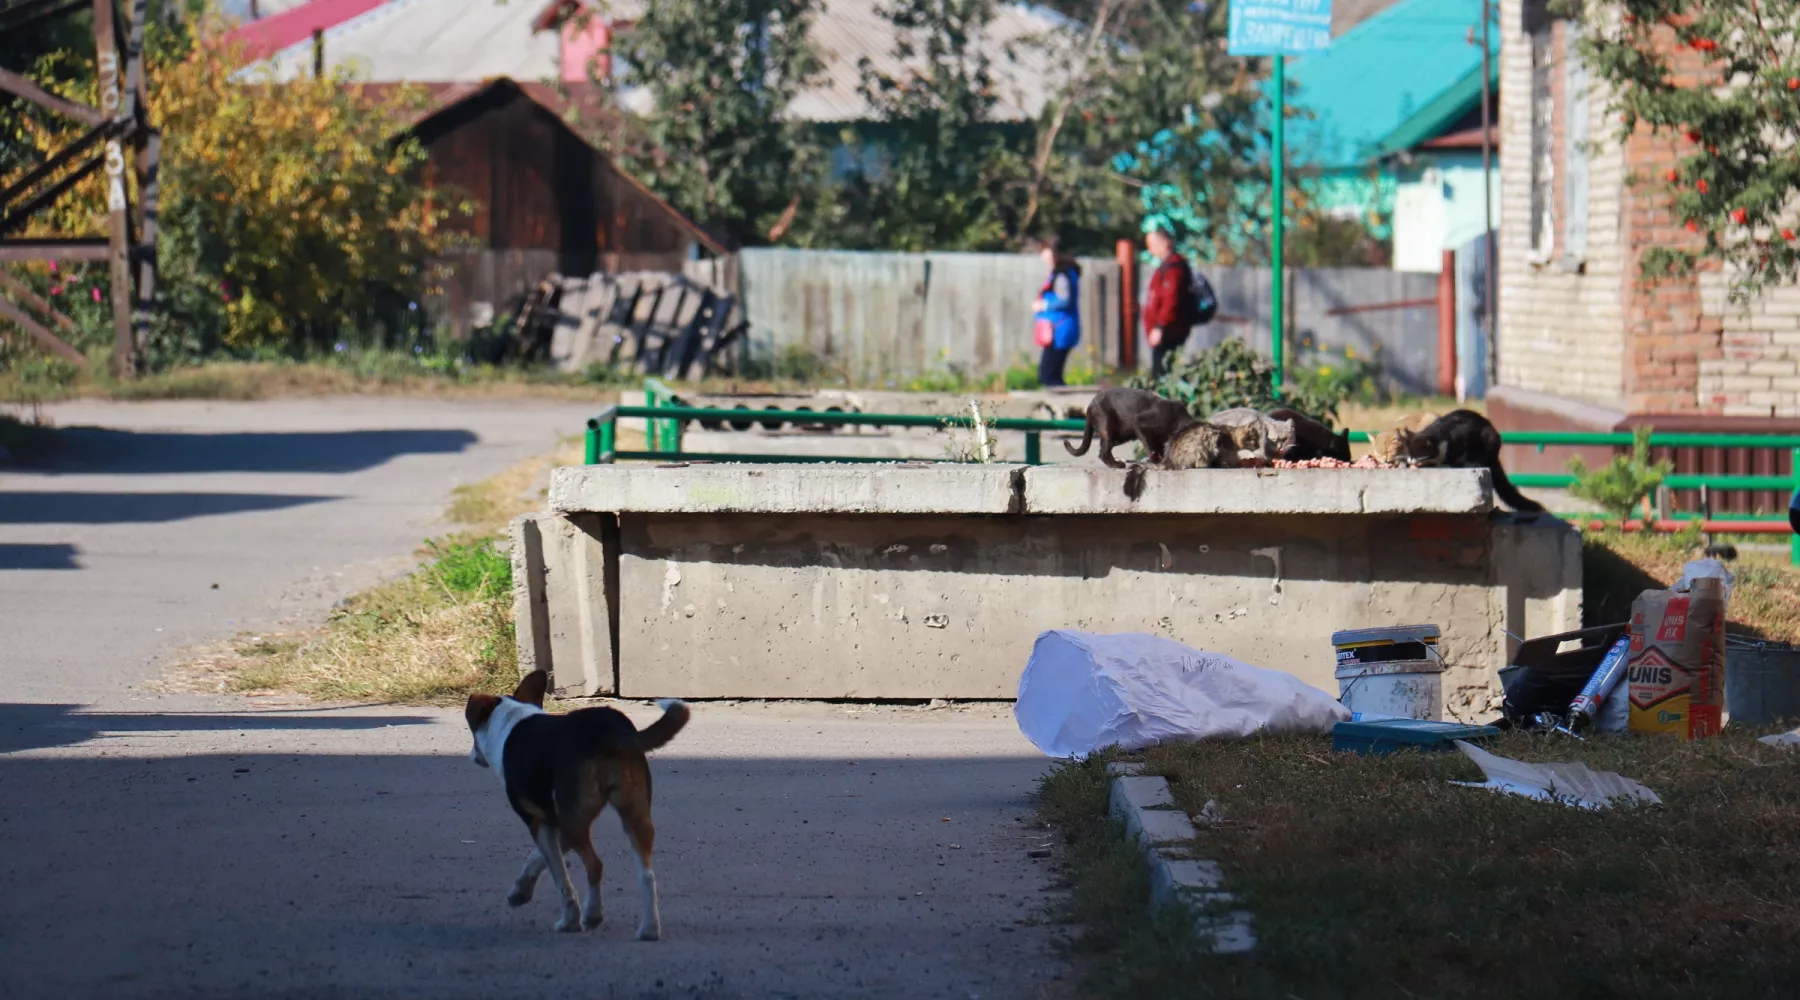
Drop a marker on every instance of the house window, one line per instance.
(1543, 152)
(1575, 146)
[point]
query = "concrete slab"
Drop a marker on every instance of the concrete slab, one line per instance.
(1075, 489)
(809, 489)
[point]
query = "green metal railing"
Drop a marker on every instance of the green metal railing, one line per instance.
(665, 417)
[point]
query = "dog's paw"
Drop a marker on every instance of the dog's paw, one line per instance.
(652, 932)
(518, 897)
(570, 922)
(592, 920)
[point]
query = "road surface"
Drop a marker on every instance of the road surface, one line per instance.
(181, 845)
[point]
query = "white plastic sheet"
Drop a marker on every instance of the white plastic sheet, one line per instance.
(1571, 783)
(1082, 691)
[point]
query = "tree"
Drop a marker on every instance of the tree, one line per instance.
(291, 215)
(1720, 81)
(937, 172)
(716, 141)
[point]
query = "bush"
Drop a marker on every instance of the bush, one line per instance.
(1622, 484)
(1232, 374)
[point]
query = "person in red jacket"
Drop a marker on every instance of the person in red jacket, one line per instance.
(1169, 311)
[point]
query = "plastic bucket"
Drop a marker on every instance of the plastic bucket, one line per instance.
(1401, 689)
(1762, 682)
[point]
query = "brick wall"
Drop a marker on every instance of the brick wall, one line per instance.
(1756, 371)
(1560, 329)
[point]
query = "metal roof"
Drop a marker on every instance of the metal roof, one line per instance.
(431, 41)
(1393, 81)
(448, 41)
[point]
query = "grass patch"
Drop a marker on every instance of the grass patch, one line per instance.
(435, 636)
(1375, 877)
(1617, 566)
(374, 374)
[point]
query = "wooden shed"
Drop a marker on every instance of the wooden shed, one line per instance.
(545, 200)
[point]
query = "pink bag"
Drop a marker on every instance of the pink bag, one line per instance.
(1044, 333)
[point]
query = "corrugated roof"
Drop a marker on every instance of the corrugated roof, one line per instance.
(432, 41)
(291, 24)
(1389, 83)
(445, 41)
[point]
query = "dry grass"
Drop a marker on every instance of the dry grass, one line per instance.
(1617, 566)
(251, 380)
(1375, 877)
(435, 636)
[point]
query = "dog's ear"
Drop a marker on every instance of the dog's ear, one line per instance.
(478, 709)
(531, 690)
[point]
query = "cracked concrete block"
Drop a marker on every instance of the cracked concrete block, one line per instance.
(1083, 489)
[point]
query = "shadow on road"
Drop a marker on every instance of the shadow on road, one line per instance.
(379, 876)
(35, 555)
(38, 726)
(95, 449)
(68, 507)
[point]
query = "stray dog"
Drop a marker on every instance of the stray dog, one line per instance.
(1119, 415)
(559, 772)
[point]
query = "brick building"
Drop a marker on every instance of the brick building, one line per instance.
(1584, 344)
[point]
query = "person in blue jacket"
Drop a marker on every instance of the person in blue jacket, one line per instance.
(1794, 512)
(1058, 313)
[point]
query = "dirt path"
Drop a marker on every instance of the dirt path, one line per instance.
(179, 845)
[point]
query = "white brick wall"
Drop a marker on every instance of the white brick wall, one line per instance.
(1560, 333)
(1760, 373)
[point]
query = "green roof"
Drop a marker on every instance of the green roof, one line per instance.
(1392, 82)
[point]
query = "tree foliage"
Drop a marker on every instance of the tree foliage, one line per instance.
(1720, 81)
(716, 141)
(291, 213)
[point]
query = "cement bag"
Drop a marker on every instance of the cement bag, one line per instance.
(1081, 692)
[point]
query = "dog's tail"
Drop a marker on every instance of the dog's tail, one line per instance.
(1510, 493)
(1087, 438)
(659, 733)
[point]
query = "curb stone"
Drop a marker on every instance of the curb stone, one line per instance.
(1146, 807)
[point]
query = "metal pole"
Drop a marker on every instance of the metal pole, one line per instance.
(1276, 213)
(1491, 308)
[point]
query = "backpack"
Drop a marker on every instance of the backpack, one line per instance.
(1201, 300)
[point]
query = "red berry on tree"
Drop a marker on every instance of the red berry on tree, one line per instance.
(1739, 216)
(1793, 82)
(1693, 136)
(1787, 234)
(1700, 185)
(1673, 175)
(1692, 226)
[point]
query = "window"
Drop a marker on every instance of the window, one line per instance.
(1543, 153)
(1575, 147)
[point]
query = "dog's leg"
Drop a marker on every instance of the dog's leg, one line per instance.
(528, 879)
(634, 815)
(579, 838)
(550, 849)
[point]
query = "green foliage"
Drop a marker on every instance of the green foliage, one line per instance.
(1622, 484)
(475, 568)
(1734, 182)
(1343, 375)
(716, 143)
(1232, 374)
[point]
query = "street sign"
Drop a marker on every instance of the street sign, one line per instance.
(1278, 27)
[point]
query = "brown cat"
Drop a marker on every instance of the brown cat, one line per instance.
(1119, 415)
(1203, 446)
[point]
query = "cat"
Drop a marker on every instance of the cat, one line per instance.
(1119, 415)
(1203, 446)
(1313, 439)
(1256, 436)
(1464, 439)
(1386, 444)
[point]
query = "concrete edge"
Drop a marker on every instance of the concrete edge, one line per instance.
(531, 611)
(1146, 807)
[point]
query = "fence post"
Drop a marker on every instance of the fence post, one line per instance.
(1794, 543)
(1034, 448)
(590, 445)
(1126, 251)
(1446, 306)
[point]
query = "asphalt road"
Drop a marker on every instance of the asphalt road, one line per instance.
(178, 845)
